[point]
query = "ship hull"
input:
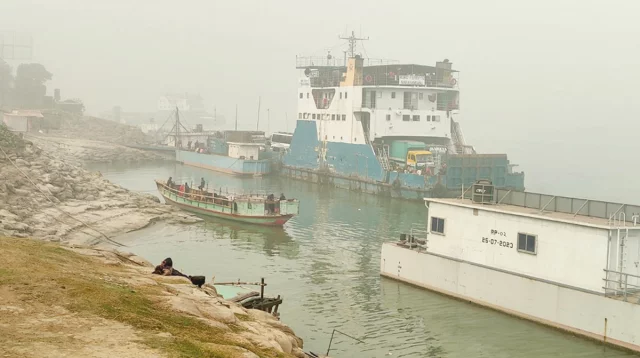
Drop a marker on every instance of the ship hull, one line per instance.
(224, 164)
(356, 167)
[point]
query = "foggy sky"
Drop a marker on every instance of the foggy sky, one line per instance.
(551, 83)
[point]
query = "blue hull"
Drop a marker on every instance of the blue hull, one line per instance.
(355, 167)
(224, 164)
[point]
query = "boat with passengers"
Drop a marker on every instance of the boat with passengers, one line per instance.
(250, 208)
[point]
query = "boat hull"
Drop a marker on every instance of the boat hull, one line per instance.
(224, 164)
(219, 211)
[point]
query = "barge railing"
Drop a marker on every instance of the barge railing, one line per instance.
(624, 288)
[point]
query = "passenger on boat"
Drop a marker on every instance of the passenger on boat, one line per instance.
(181, 190)
(271, 206)
(282, 198)
(201, 187)
(170, 182)
(186, 188)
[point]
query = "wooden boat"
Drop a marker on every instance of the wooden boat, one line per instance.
(256, 209)
(246, 297)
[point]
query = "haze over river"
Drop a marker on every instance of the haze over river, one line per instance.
(325, 263)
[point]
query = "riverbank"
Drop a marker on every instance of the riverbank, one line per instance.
(42, 196)
(87, 302)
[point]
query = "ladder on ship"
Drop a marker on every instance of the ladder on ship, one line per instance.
(382, 153)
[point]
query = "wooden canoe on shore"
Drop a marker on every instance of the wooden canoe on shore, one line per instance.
(247, 208)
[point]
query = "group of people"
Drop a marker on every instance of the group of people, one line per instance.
(271, 203)
(201, 194)
(197, 147)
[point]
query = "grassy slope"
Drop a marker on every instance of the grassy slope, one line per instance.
(44, 274)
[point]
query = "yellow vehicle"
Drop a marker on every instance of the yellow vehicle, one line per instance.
(420, 159)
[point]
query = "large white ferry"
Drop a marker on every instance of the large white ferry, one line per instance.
(569, 263)
(385, 127)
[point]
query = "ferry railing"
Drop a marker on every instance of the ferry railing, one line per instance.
(621, 285)
(196, 194)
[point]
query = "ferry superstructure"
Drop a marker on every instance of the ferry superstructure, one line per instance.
(352, 111)
(569, 263)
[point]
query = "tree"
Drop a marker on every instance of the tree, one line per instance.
(6, 81)
(29, 84)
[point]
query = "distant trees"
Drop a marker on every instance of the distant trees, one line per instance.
(29, 89)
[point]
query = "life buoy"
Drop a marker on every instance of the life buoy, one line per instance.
(368, 78)
(453, 81)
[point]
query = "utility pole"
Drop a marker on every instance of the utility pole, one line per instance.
(177, 128)
(353, 40)
(258, 121)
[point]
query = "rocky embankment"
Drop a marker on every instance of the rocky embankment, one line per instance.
(87, 302)
(44, 197)
(79, 151)
(88, 139)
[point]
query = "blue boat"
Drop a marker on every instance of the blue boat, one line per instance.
(229, 164)
(242, 153)
(386, 128)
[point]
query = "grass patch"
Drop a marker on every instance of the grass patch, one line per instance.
(51, 275)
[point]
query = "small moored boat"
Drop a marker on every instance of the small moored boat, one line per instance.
(256, 209)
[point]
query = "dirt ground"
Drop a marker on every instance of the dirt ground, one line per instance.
(87, 302)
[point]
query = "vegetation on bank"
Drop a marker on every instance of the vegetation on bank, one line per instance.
(35, 277)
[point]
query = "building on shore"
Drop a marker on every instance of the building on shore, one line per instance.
(23, 120)
(569, 263)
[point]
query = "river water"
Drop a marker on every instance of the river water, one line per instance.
(325, 263)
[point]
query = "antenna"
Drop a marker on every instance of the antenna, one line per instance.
(258, 121)
(353, 40)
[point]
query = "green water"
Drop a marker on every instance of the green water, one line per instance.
(325, 263)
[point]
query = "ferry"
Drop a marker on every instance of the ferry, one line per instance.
(239, 153)
(258, 209)
(362, 123)
(569, 263)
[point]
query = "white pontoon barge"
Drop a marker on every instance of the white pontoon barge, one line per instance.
(569, 263)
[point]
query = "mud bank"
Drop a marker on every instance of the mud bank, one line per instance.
(44, 197)
(85, 302)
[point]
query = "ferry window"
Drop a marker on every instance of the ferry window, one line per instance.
(435, 118)
(428, 118)
(301, 95)
(527, 243)
(416, 118)
(333, 117)
(437, 225)
(344, 117)
(421, 96)
(388, 117)
(393, 95)
(340, 95)
(406, 117)
(345, 95)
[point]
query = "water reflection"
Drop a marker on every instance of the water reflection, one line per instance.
(272, 241)
(325, 263)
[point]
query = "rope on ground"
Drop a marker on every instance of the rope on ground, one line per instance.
(107, 238)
